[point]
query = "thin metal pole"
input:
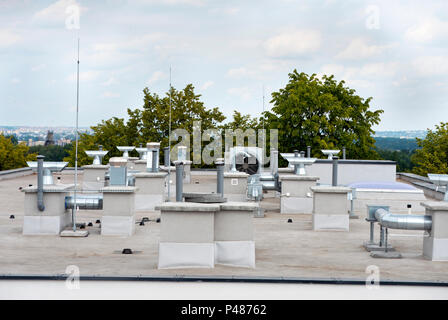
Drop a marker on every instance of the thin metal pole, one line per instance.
(76, 145)
(264, 137)
(169, 146)
(334, 182)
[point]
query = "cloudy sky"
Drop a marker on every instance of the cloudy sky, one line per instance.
(394, 51)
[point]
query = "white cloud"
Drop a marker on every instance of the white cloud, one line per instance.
(238, 72)
(8, 38)
(431, 65)
(242, 92)
(293, 43)
(196, 3)
(56, 13)
(84, 76)
(156, 76)
(111, 81)
(114, 53)
(207, 85)
(427, 30)
(359, 49)
(109, 94)
(364, 76)
(38, 67)
(227, 11)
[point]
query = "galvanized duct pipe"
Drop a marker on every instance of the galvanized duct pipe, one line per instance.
(40, 183)
(343, 153)
(403, 221)
(166, 156)
(155, 160)
(296, 166)
(274, 162)
(334, 181)
(84, 202)
(308, 151)
(179, 180)
(220, 176)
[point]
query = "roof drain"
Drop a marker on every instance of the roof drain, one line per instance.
(40, 183)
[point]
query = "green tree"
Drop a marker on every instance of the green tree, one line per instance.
(51, 152)
(242, 122)
(401, 157)
(13, 156)
(150, 123)
(432, 157)
(323, 114)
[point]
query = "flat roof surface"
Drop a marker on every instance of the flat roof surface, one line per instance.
(282, 249)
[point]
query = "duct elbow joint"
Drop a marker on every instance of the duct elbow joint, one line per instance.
(40, 206)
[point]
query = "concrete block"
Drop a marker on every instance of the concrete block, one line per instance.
(187, 227)
(186, 255)
(45, 225)
(94, 176)
(235, 186)
(233, 225)
(335, 222)
(117, 225)
(435, 242)
(54, 218)
(297, 186)
(148, 202)
(140, 165)
(291, 205)
(119, 201)
(69, 233)
(235, 253)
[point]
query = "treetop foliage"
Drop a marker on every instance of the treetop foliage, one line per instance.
(432, 157)
(12, 155)
(323, 114)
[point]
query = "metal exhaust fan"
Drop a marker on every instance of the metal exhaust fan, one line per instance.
(246, 159)
(125, 150)
(49, 168)
(97, 155)
(330, 153)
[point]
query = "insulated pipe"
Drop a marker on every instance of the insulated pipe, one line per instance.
(155, 160)
(308, 151)
(274, 162)
(179, 180)
(40, 183)
(403, 221)
(296, 166)
(84, 202)
(220, 177)
(166, 156)
(334, 181)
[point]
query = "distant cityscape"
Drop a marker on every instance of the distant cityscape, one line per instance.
(407, 134)
(36, 136)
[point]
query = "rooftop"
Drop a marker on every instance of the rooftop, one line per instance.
(282, 249)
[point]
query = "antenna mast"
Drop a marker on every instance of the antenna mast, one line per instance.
(264, 133)
(169, 142)
(76, 144)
